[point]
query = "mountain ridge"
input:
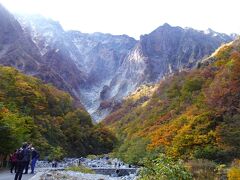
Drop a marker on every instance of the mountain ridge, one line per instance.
(162, 52)
(18, 50)
(101, 69)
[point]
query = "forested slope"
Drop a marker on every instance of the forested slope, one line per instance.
(47, 117)
(191, 115)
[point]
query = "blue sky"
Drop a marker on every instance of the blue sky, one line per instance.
(134, 17)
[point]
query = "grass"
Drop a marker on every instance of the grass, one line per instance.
(81, 169)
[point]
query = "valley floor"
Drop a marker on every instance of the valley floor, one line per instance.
(70, 175)
(101, 168)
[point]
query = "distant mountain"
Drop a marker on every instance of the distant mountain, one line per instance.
(164, 51)
(192, 114)
(19, 50)
(55, 50)
(16, 49)
(96, 57)
(100, 69)
(102, 56)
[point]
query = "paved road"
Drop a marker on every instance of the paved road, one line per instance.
(6, 175)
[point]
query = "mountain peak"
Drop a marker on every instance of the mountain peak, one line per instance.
(39, 21)
(166, 28)
(209, 31)
(2, 7)
(166, 25)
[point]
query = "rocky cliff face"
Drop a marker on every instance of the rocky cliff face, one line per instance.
(164, 51)
(88, 62)
(18, 49)
(58, 53)
(100, 69)
(101, 57)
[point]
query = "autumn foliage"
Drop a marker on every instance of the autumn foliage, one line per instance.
(193, 114)
(47, 117)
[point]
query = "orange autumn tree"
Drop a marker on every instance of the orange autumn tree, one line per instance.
(193, 114)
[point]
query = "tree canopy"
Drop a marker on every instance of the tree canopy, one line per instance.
(45, 116)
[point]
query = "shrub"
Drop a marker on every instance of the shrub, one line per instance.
(202, 168)
(134, 151)
(56, 154)
(164, 167)
(234, 171)
(92, 156)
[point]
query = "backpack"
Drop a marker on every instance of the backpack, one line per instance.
(26, 154)
(23, 155)
(13, 158)
(20, 155)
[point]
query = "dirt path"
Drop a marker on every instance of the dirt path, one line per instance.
(6, 175)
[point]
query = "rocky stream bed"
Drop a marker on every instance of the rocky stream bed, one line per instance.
(104, 169)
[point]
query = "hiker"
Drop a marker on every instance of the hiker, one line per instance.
(28, 158)
(79, 162)
(117, 171)
(13, 161)
(54, 163)
(35, 157)
(22, 158)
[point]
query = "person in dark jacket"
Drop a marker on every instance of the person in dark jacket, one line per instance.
(35, 157)
(13, 161)
(28, 158)
(22, 157)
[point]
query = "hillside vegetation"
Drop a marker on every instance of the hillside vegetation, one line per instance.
(45, 116)
(191, 115)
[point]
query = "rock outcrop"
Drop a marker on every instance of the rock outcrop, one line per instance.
(164, 51)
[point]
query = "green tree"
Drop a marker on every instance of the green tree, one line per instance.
(164, 168)
(57, 154)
